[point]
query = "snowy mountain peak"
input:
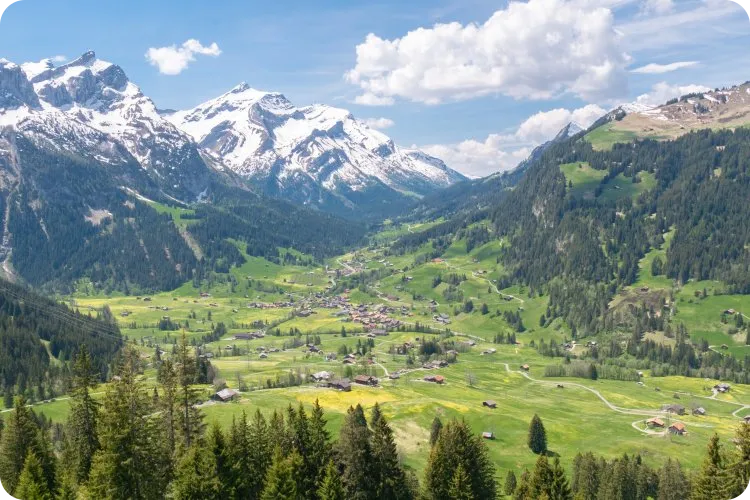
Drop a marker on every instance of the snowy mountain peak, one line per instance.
(264, 137)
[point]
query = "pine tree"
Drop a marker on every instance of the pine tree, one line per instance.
(437, 425)
(585, 476)
(244, 480)
(320, 446)
(673, 485)
(84, 413)
(191, 417)
(710, 482)
(18, 438)
(560, 489)
(739, 466)
(355, 445)
(537, 436)
(260, 452)
(331, 487)
(460, 486)
(458, 446)
(510, 483)
(541, 478)
(523, 491)
(389, 476)
(32, 485)
(167, 403)
(133, 461)
(218, 446)
(195, 474)
(279, 481)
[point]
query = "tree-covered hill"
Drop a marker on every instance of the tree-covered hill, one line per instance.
(39, 338)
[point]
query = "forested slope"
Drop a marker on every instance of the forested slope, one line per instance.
(39, 338)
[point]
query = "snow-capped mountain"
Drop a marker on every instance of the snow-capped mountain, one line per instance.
(89, 108)
(314, 154)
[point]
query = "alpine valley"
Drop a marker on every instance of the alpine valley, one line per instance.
(577, 327)
(89, 165)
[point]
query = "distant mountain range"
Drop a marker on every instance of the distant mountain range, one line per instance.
(315, 156)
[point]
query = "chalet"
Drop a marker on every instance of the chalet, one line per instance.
(700, 411)
(394, 376)
(655, 422)
(438, 363)
(677, 428)
(489, 404)
(746, 419)
(438, 379)
(340, 385)
(488, 435)
(525, 367)
(321, 376)
(722, 388)
(731, 312)
(675, 409)
(380, 332)
(263, 355)
(207, 355)
(225, 395)
(349, 361)
(489, 351)
(366, 380)
(331, 356)
(243, 336)
(205, 295)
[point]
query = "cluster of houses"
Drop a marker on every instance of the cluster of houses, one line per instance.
(377, 317)
(676, 428)
(269, 305)
(249, 335)
(438, 363)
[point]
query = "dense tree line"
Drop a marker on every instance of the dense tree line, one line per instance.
(26, 365)
(149, 444)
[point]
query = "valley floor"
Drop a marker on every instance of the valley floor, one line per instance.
(604, 416)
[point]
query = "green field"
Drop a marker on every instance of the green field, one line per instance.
(578, 417)
(606, 136)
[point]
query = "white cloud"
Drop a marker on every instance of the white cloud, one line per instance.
(173, 60)
(545, 125)
(379, 123)
(657, 69)
(500, 152)
(657, 6)
(477, 159)
(663, 91)
(368, 99)
(58, 59)
(534, 50)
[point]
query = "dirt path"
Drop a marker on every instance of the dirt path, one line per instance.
(626, 411)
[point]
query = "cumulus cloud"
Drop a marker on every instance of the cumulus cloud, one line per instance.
(663, 91)
(501, 152)
(657, 69)
(173, 60)
(58, 59)
(379, 123)
(534, 50)
(479, 158)
(544, 125)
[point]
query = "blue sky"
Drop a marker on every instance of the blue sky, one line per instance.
(464, 92)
